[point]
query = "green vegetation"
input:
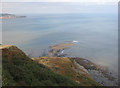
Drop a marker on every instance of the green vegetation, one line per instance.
(20, 70)
(67, 67)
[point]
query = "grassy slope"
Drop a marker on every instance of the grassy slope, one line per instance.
(20, 70)
(66, 66)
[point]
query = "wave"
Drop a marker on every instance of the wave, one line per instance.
(62, 51)
(74, 41)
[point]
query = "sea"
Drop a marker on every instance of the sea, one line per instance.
(95, 35)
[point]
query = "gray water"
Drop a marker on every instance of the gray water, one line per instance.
(97, 35)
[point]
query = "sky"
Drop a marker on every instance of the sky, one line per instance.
(97, 1)
(57, 7)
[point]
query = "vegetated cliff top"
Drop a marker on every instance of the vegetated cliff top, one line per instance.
(6, 46)
(69, 68)
(11, 51)
(20, 70)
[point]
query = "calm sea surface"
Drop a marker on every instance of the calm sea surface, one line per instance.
(97, 35)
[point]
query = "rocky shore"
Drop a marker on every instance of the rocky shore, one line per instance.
(58, 49)
(20, 70)
(80, 70)
(100, 74)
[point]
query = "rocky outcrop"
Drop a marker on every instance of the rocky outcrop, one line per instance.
(100, 74)
(58, 49)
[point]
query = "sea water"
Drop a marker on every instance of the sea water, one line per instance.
(95, 35)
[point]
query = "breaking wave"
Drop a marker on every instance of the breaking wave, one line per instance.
(74, 41)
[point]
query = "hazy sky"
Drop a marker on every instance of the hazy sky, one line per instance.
(97, 1)
(58, 7)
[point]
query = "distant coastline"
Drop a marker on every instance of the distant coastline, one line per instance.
(9, 16)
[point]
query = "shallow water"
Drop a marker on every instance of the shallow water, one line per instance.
(97, 35)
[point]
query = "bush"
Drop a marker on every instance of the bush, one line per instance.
(25, 72)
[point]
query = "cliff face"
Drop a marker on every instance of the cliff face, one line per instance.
(20, 70)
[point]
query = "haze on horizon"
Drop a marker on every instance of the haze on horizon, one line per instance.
(57, 7)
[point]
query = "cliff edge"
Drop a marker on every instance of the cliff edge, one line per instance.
(20, 70)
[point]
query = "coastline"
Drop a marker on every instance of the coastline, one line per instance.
(10, 16)
(58, 49)
(99, 73)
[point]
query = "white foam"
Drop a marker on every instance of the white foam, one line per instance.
(74, 41)
(62, 52)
